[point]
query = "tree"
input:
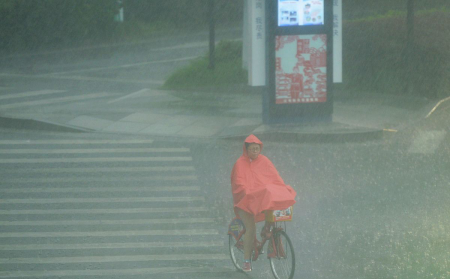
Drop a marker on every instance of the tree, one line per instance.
(38, 24)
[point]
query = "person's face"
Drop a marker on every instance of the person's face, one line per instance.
(253, 150)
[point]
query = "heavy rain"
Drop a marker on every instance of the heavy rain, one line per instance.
(121, 122)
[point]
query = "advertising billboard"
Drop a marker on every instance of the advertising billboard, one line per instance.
(299, 62)
(300, 12)
(301, 69)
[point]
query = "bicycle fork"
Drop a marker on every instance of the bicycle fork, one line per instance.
(275, 247)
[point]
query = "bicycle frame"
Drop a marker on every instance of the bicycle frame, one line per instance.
(258, 245)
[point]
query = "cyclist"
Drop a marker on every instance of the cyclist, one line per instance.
(256, 187)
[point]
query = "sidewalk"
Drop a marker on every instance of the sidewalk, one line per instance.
(213, 116)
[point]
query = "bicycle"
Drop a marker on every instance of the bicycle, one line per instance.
(280, 251)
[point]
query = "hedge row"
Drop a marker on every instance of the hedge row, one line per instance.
(374, 54)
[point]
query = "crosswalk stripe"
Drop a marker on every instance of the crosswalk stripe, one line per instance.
(56, 100)
(106, 222)
(100, 200)
(94, 160)
(30, 94)
(104, 211)
(68, 227)
(102, 169)
(113, 272)
(98, 179)
(91, 151)
(109, 259)
(83, 246)
(76, 141)
(177, 232)
(90, 189)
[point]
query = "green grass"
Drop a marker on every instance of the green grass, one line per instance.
(135, 30)
(228, 70)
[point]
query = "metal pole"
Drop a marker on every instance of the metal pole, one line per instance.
(410, 45)
(211, 34)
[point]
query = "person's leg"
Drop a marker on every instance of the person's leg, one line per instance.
(250, 232)
(266, 228)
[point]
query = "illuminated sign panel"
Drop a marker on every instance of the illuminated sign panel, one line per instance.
(300, 12)
(301, 69)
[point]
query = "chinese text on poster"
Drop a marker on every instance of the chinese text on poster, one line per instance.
(301, 66)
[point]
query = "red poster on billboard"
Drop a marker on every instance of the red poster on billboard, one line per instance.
(301, 69)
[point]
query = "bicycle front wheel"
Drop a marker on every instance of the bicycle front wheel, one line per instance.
(236, 251)
(282, 263)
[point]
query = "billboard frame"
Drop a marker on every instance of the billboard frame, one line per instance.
(296, 112)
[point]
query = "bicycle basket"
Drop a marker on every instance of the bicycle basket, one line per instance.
(280, 215)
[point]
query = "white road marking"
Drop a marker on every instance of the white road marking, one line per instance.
(55, 100)
(90, 189)
(73, 142)
(94, 160)
(104, 211)
(87, 78)
(91, 151)
(56, 170)
(82, 246)
(122, 66)
(30, 94)
(65, 180)
(105, 222)
(115, 272)
(436, 106)
(107, 234)
(99, 170)
(132, 95)
(101, 200)
(426, 142)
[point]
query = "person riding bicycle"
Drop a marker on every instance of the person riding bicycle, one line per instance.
(256, 188)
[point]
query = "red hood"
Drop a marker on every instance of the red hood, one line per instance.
(251, 139)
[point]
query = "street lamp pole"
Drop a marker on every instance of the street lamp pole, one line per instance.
(211, 34)
(410, 46)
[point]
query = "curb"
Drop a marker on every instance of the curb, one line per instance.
(33, 124)
(296, 133)
(357, 136)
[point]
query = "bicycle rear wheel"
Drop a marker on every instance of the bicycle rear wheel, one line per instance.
(236, 251)
(283, 263)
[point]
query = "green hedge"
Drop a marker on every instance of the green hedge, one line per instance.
(374, 54)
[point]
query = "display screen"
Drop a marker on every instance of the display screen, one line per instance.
(300, 12)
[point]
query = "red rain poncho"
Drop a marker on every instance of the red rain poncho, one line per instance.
(257, 186)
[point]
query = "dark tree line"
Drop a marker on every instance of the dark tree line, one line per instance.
(31, 25)
(27, 25)
(183, 13)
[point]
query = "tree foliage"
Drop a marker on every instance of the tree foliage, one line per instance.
(29, 25)
(36, 24)
(183, 13)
